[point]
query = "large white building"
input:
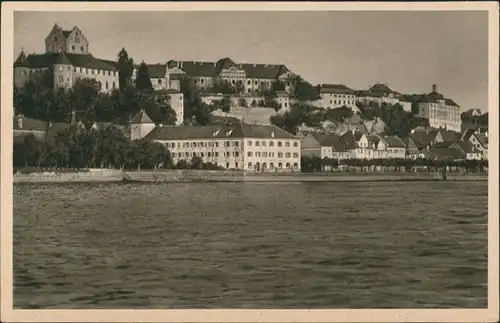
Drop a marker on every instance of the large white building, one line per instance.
(441, 112)
(245, 147)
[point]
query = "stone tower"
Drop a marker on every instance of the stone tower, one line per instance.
(21, 70)
(63, 72)
(67, 41)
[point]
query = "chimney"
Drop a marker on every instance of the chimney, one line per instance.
(272, 134)
(73, 117)
(20, 121)
(434, 88)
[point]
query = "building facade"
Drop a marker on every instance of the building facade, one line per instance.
(382, 94)
(250, 78)
(334, 96)
(66, 60)
(255, 148)
(440, 111)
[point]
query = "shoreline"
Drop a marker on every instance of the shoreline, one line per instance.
(206, 176)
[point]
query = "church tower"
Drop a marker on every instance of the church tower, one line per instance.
(21, 70)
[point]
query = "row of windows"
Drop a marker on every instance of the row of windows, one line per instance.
(271, 143)
(342, 102)
(271, 154)
(106, 84)
(201, 144)
(343, 96)
(271, 165)
(208, 154)
(90, 71)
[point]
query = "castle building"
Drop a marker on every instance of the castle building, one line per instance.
(250, 78)
(66, 59)
(241, 146)
(334, 96)
(441, 112)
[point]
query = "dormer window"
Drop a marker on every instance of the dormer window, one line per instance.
(229, 132)
(215, 133)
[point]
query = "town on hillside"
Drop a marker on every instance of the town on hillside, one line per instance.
(74, 109)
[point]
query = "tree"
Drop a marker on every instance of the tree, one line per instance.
(125, 69)
(196, 162)
(142, 80)
(242, 102)
(193, 105)
(303, 90)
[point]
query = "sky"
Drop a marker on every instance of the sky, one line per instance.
(409, 50)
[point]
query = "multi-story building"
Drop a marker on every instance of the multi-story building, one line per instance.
(249, 77)
(382, 94)
(66, 59)
(334, 96)
(440, 111)
(240, 146)
(323, 146)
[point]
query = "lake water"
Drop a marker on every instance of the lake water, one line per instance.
(251, 245)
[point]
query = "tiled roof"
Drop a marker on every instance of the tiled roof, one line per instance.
(434, 97)
(21, 60)
(374, 140)
(379, 87)
(445, 144)
(29, 124)
(141, 117)
(79, 60)
(466, 146)
(240, 130)
(423, 137)
(482, 138)
(393, 142)
(335, 88)
(110, 63)
(265, 71)
(191, 68)
(329, 140)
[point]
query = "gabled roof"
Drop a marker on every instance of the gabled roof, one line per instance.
(445, 144)
(335, 88)
(482, 138)
(423, 137)
(141, 117)
(329, 140)
(374, 140)
(380, 88)
(393, 142)
(46, 60)
(449, 136)
(465, 145)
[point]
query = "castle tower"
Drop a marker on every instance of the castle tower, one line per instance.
(21, 70)
(68, 41)
(63, 72)
(141, 125)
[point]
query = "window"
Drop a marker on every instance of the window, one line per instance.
(194, 155)
(236, 143)
(236, 154)
(264, 154)
(249, 165)
(256, 144)
(288, 155)
(271, 165)
(202, 155)
(249, 82)
(255, 83)
(295, 155)
(280, 144)
(159, 81)
(271, 144)
(271, 154)
(287, 165)
(227, 165)
(257, 154)
(287, 144)
(81, 48)
(61, 78)
(295, 165)
(263, 144)
(216, 144)
(107, 85)
(227, 144)
(249, 154)
(295, 144)
(216, 154)
(202, 81)
(249, 142)
(280, 155)
(174, 155)
(280, 165)
(235, 165)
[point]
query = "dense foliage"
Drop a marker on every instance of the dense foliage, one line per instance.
(39, 100)
(316, 164)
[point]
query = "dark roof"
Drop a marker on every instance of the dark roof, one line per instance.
(157, 70)
(241, 130)
(466, 146)
(373, 139)
(21, 60)
(212, 69)
(329, 140)
(62, 59)
(445, 144)
(423, 137)
(348, 140)
(141, 117)
(335, 88)
(449, 136)
(380, 88)
(446, 153)
(110, 63)
(434, 97)
(79, 60)
(29, 124)
(66, 33)
(393, 142)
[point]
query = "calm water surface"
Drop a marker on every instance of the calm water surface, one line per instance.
(251, 245)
